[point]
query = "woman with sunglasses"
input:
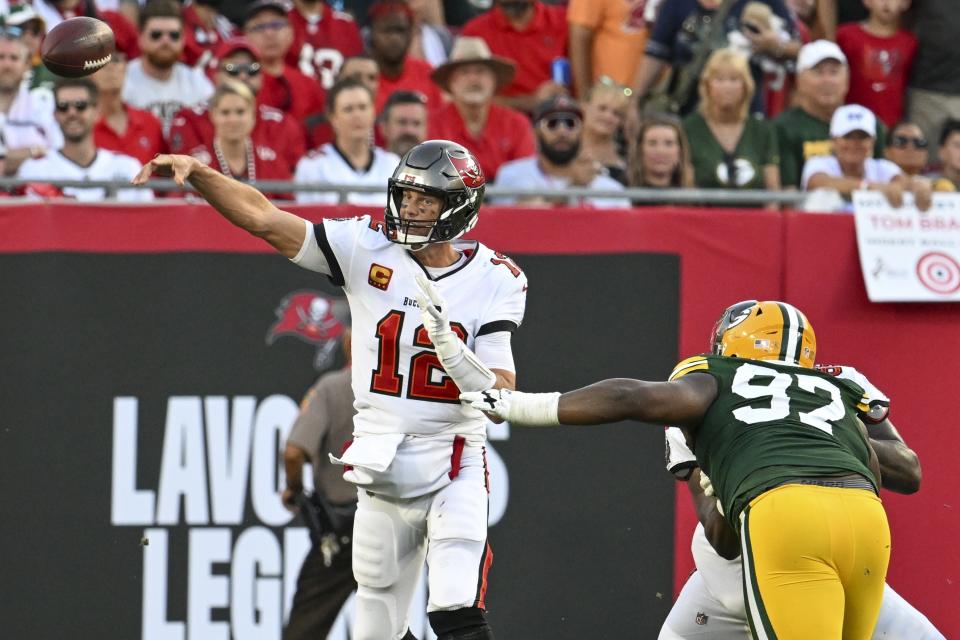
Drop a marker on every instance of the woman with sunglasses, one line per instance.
(907, 148)
(232, 151)
(603, 116)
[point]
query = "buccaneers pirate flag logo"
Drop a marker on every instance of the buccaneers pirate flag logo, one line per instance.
(315, 319)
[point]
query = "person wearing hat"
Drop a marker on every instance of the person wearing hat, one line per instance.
(120, 127)
(493, 133)
(157, 81)
(852, 167)
(267, 27)
(237, 59)
(559, 162)
(32, 29)
(391, 32)
(803, 131)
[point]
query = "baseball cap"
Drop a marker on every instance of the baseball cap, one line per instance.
(561, 105)
(815, 52)
(850, 118)
(280, 6)
(229, 47)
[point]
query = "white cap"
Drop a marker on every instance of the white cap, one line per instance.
(853, 117)
(813, 53)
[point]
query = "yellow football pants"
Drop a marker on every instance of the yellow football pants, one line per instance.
(814, 562)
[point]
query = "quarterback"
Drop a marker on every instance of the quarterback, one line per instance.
(711, 604)
(791, 467)
(432, 317)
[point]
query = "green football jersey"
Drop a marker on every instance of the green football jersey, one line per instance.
(772, 422)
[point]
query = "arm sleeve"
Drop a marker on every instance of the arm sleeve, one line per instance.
(660, 43)
(680, 460)
(506, 309)
(493, 350)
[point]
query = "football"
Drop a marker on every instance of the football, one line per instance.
(77, 47)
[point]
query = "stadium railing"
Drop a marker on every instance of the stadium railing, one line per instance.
(727, 197)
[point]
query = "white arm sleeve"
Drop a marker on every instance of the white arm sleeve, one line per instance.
(493, 350)
(310, 256)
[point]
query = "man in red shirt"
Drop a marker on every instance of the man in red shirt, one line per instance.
(391, 31)
(531, 34)
(267, 27)
(322, 39)
(120, 127)
(493, 133)
(204, 27)
(237, 59)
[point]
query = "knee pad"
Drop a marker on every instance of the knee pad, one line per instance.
(375, 562)
(377, 616)
(468, 623)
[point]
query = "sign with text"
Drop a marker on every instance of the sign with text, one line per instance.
(909, 255)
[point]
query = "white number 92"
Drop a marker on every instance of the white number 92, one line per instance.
(776, 391)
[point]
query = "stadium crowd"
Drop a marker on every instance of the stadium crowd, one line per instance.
(829, 96)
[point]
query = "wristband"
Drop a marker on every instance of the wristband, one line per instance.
(534, 409)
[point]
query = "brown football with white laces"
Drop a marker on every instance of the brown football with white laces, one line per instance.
(77, 47)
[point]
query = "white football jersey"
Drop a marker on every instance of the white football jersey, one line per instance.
(399, 384)
(186, 87)
(327, 164)
(107, 165)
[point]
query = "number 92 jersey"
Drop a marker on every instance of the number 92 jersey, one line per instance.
(771, 422)
(398, 382)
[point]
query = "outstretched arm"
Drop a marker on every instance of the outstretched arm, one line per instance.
(899, 465)
(239, 203)
(681, 402)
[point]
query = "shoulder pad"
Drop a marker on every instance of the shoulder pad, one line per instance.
(696, 363)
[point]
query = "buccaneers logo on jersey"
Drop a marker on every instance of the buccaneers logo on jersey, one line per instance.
(469, 171)
(313, 318)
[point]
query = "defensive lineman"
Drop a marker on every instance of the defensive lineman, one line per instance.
(432, 316)
(788, 457)
(711, 603)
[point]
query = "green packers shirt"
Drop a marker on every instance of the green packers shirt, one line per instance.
(714, 168)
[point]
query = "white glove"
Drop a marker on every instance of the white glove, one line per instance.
(521, 409)
(707, 487)
(458, 361)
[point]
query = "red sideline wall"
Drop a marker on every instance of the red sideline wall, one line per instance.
(810, 260)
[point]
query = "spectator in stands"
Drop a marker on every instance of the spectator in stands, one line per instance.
(852, 167)
(730, 149)
(391, 29)
(603, 117)
(120, 127)
(157, 81)
(494, 133)
(233, 151)
(238, 60)
(403, 121)
(606, 39)
(350, 159)
(949, 153)
(432, 40)
(660, 155)
(32, 30)
(267, 27)
(532, 35)
(364, 68)
(803, 131)
(685, 31)
(559, 162)
(880, 54)
(204, 28)
(907, 148)
(27, 124)
(79, 158)
(322, 39)
(934, 95)
(53, 12)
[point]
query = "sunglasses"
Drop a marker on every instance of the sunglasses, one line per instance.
(79, 105)
(157, 34)
(275, 25)
(901, 142)
(235, 69)
(10, 32)
(567, 123)
(607, 81)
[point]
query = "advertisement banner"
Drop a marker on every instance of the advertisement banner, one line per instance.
(909, 255)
